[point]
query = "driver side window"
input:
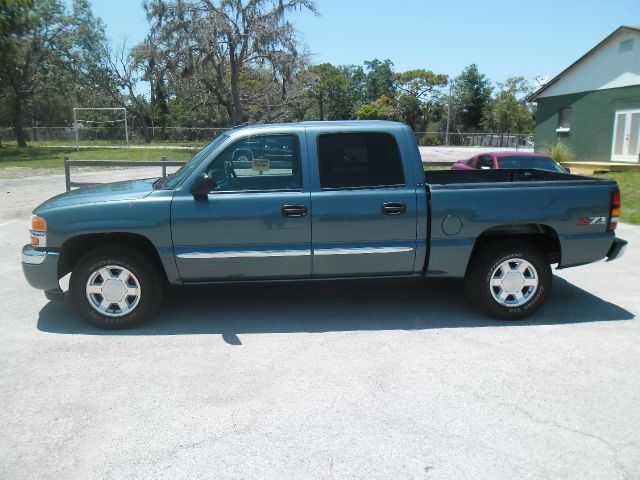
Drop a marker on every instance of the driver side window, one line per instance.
(258, 163)
(485, 162)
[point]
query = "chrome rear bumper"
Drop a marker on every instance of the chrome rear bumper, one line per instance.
(617, 249)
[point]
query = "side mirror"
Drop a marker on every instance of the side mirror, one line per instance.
(202, 186)
(567, 169)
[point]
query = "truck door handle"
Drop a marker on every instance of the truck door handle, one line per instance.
(294, 211)
(393, 208)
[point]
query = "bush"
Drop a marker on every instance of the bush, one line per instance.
(560, 152)
(381, 109)
(432, 141)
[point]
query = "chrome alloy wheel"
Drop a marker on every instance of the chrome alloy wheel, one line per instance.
(514, 282)
(113, 291)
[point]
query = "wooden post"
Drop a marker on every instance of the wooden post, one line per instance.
(164, 167)
(67, 174)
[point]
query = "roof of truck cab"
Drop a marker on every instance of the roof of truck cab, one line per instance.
(515, 154)
(319, 123)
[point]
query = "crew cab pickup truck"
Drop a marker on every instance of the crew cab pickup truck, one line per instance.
(318, 200)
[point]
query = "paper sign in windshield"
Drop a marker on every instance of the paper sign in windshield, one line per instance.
(260, 164)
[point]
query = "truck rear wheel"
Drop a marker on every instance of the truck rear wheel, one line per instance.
(113, 288)
(509, 279)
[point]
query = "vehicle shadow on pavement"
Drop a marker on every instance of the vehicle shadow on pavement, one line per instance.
(230, 310)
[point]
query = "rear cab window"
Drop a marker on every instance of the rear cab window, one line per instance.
(359, 160)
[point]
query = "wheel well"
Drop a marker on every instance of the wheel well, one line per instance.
(75, 248)
(543, 236)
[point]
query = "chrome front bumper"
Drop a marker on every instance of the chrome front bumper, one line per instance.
(32, 256)
(40, 268)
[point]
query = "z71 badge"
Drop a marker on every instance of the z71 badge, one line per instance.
(592, 221)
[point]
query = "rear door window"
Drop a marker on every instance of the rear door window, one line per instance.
(359, 160)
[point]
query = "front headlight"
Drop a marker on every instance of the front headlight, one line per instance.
(38, 231)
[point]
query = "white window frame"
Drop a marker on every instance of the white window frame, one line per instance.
(633, 158)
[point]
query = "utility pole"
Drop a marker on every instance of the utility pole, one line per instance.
(448, 113)
(75, 130)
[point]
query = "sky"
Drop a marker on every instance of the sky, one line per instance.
(504, 38)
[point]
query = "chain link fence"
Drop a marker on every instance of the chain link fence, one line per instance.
(89, 135)
(461, 139)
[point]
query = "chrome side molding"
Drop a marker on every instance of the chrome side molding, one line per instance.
(360, 250)
(293, 253)
(246, 254)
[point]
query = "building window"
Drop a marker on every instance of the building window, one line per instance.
(626, 45)
(564, 120)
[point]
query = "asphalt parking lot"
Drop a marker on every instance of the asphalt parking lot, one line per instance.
(373, 380)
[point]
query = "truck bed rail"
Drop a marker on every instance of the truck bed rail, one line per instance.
(503, 178)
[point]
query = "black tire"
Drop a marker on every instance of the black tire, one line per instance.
(487, 260)
(145, 274)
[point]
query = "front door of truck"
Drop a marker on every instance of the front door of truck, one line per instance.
(256, 222)
(364, 205)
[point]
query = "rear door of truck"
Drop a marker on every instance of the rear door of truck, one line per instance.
(363, 199)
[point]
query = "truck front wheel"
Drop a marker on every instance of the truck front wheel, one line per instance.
(509, 279)
(114, 288)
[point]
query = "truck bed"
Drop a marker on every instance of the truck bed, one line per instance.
(465, 205)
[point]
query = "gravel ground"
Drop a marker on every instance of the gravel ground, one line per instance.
(376, 380)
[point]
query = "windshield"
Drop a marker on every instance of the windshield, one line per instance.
(177, 177)
(542, 163)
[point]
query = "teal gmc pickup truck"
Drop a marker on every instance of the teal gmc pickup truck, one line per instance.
(318, 200)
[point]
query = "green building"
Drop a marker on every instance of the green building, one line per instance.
(593, 106)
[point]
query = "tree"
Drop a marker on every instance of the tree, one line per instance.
(127, 71)
(190, 107)
(471, 95)
(509, 111)
(263, 99)
(217, 42)
(414, 86)
(379, 80)
(436, 110)
(383, 108)
(42, 48)
(335, 90)
(147, 58)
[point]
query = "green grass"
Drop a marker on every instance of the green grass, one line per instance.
(44, 157)
(427, 168)
(100, 143)
(629, 183)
